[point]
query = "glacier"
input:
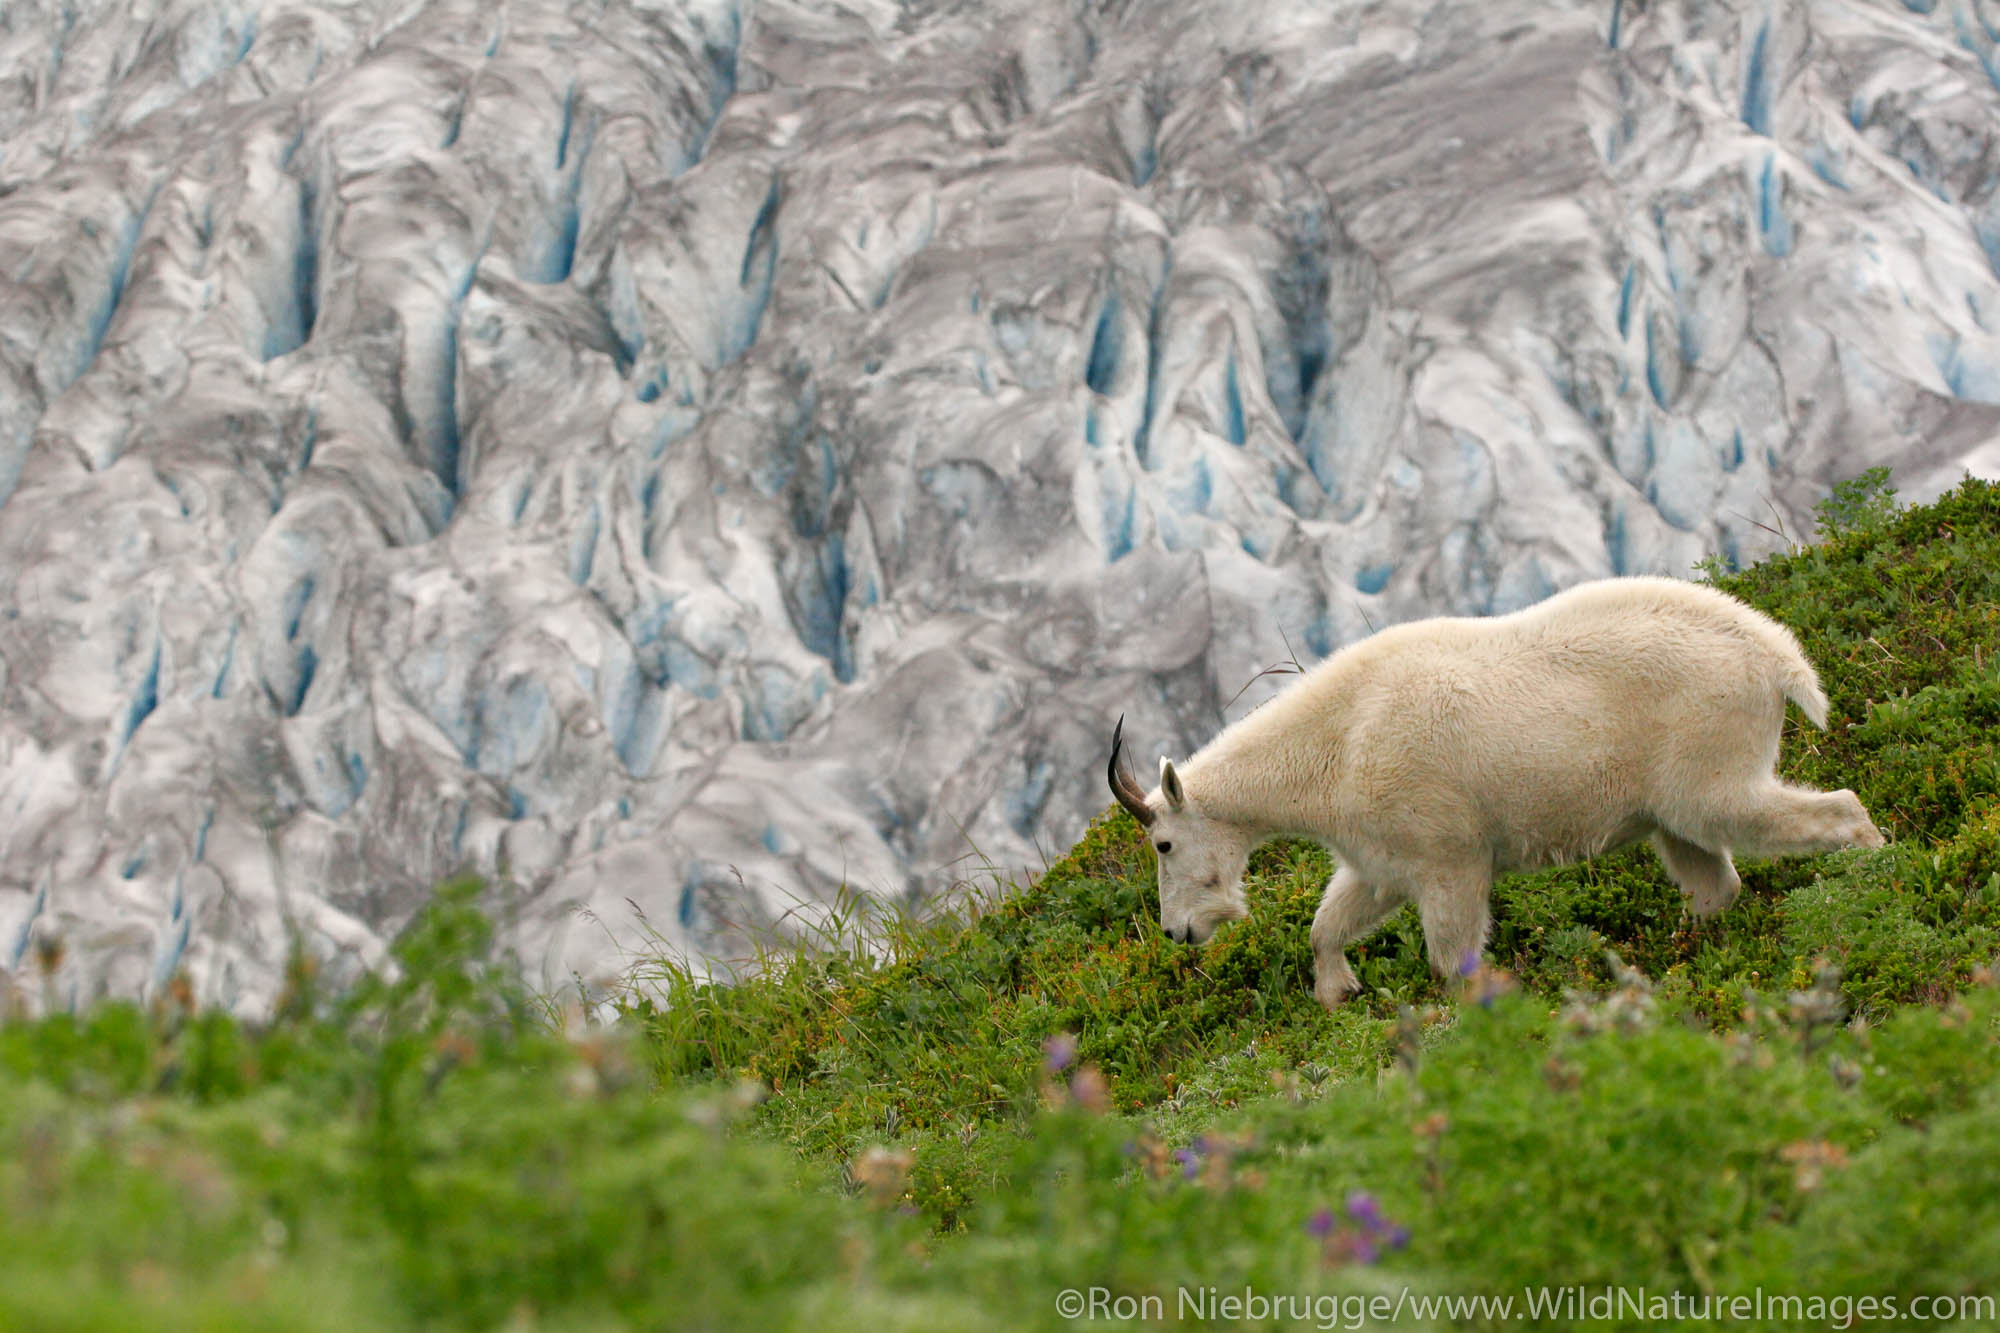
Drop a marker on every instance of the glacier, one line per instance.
(692, 463)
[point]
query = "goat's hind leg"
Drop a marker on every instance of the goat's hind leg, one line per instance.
(1774, 818)
(1707, 878)
(1350, 909)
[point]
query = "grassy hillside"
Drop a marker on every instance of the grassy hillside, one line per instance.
(953, 1121)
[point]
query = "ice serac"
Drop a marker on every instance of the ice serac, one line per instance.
(684, 461)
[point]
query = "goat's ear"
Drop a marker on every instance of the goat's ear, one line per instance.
(1170, 784)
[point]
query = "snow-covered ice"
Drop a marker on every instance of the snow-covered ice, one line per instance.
(678, 459)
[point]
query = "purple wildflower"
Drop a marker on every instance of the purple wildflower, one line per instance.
(1362, 1207)
(1190, 1162)
(1060, 1050)
(1468, 964)
(1362, 1243)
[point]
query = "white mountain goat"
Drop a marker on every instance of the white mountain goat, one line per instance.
(1437, 754)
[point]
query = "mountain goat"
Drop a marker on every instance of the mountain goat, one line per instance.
(1437, 754)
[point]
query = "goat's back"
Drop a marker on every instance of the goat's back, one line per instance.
(1553, 731)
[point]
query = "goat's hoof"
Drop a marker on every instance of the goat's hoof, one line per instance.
(1330, 990)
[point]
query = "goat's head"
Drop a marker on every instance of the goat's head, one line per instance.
(1201, 858)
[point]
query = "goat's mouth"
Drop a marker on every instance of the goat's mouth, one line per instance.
(1201, 930)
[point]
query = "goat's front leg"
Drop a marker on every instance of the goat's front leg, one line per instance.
(1453, 904)
(1350, 909)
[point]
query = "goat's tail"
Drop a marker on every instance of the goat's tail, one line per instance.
(1802, 688)
(1794, 675)
(1797, 678)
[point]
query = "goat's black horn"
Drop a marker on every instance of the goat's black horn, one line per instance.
(1123, 786)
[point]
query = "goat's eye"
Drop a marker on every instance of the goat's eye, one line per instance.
(1165, 847)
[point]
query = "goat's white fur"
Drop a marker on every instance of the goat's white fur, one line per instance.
(1436, 754)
